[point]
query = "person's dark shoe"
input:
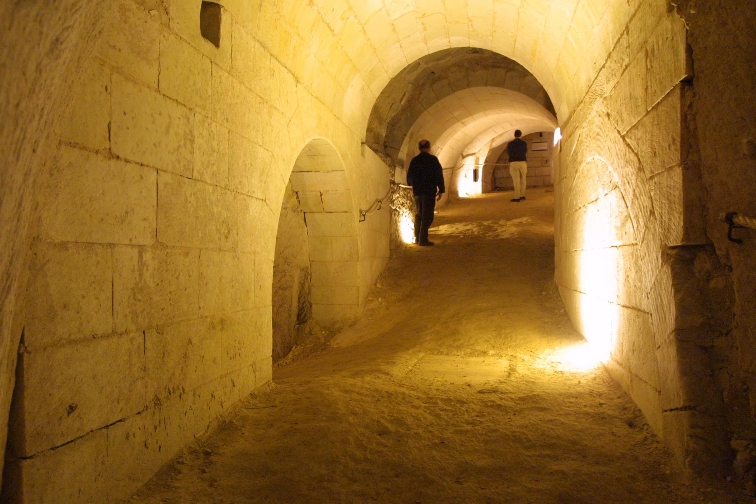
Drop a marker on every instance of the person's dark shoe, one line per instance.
(522, 198)
(515, 200)
(426, 244)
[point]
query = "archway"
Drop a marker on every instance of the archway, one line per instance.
(607, 113)
(465, 125)
(316, 269)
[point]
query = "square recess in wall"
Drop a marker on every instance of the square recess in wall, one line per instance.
(210, 22)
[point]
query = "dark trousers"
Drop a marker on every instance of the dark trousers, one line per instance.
(425, 204)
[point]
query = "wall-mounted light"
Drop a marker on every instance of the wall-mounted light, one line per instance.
(557, 136)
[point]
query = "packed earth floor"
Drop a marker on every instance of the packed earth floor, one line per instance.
(464, 382)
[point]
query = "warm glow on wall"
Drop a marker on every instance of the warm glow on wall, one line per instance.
(470, 180)
(597, 269)
(580, 358)
(406, 226)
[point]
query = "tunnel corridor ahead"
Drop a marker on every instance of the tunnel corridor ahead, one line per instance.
(152, 150)
(463, 382)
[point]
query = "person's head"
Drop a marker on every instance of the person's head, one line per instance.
(424, 145)
(518, 133)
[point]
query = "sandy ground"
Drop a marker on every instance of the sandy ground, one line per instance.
(463, 383)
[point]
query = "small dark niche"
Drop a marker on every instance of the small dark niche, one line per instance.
(210, 22)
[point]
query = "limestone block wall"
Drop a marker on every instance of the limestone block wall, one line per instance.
(321, 186)
(374, 233)
(721, 115)
(621, 206)
(148, 311)
(345, 255)
(39, 60)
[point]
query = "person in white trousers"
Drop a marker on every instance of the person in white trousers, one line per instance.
(518, 165)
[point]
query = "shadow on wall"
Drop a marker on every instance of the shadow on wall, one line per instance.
(316, 270)
(292, 307)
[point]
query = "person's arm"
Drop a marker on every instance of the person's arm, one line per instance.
(440, 180)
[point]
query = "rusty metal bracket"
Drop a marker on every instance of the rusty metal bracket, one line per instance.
(729, 218)
(377, 204)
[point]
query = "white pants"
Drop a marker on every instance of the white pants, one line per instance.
(519, 172)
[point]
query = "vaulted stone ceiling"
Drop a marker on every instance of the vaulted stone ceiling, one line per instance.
(389, 60)
(473, 119)
(562, 43)
(442, 77)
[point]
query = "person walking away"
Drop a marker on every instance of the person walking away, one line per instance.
(426, 177)
(518, 165)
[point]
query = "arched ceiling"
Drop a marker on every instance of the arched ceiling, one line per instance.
(347, 52)
(561, 42)
(435, 77)
(467, 121)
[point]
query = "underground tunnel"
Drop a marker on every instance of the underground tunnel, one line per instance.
(192, 189)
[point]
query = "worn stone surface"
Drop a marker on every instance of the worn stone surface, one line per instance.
(184, 73)
(183, 203)
(149, 128)
(694, 361)
(64, 387)
(65, 281)
(622, 183)
(95, 199)
(89, 120)
(211, 152)
(41, 62)
(719, 119)
(134, 48)
(152, 286)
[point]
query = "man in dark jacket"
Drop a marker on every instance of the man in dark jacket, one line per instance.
(518, 165)
(426, 177)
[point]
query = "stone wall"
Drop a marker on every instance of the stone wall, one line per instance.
(148, 311)
(625, 197)
(38, 62)
(720, 114)
(374, 233)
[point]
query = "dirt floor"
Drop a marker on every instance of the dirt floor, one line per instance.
(463, 383)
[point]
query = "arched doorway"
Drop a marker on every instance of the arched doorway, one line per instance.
(316, 280)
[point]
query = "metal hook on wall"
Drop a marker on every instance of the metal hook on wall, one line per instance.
(729, 218)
